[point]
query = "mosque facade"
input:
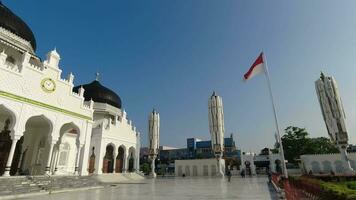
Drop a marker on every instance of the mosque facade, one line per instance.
(50, 126)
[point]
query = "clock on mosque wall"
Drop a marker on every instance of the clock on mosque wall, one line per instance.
(48, 85)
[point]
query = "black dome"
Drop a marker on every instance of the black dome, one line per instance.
(16, 25)
(100, 94)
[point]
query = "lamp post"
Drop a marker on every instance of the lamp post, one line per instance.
(334, 115)
(153, 138)
(216, 126)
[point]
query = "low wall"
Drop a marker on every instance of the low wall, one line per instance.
(325, 163)
(198, 167)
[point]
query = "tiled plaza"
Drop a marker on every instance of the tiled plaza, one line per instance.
(177, 189)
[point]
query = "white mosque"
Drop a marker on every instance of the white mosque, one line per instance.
(50, 126)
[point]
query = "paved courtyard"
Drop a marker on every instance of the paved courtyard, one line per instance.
(177, 189)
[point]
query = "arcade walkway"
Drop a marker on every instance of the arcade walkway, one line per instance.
(177, 189)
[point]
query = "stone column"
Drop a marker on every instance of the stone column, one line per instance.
(85, 141)
(76, 170)
(9, 159)
(126, 162)
(53, 163)
(56, 160)
(114, 164)
(48, 166)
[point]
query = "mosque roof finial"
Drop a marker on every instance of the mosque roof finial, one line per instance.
(97, 74)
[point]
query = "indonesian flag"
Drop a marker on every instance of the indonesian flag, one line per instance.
(257, 68)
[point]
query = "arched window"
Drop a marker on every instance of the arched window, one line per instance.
(315, 167)
(40, 150)
(10, 59)
(187, 170)
(206, 170)
(64, 154)
(339, 166)
(213, 170)
(327, 166)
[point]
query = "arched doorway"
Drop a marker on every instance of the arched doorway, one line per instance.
(5, 144)
(7, 122)
(66, 150)
(92, 162)
(35, 146)
(120, 160)
(108, 162)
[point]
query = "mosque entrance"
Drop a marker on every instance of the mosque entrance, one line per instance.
(35, 147)
(108, 165)
(5, 145)
(120, 160)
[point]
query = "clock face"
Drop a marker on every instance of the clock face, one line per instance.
(48, 85)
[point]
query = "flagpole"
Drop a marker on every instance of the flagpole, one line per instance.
(285, 173)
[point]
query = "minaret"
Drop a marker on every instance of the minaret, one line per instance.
(216, 126)
(334, 115)
(153, 138)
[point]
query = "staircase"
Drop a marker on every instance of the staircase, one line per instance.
(120, 178)
(46, 184)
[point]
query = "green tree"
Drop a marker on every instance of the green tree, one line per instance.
(296, 143)
(146, 168)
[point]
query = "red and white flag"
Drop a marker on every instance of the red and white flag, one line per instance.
(257, 67)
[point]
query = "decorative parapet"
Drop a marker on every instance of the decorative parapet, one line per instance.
(16, 39)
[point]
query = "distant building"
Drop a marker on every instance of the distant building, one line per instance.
(195, 149)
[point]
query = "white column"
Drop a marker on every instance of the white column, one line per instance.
(53, 160)
(76, 172)
(56, 160)
(86, 142)
(126, 162)
(48, 166)
(114, 164)
(9, 159)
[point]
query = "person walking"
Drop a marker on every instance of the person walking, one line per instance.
(269, 176)
(228, 173)
(242, 173)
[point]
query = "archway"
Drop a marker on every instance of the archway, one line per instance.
(7, 121)
(35, 146)
(108, 162)
(120, 160)
(315, 167)
(66, 150)
(339, 168)
(327, 166)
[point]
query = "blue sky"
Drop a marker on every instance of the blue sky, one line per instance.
(172, 54)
